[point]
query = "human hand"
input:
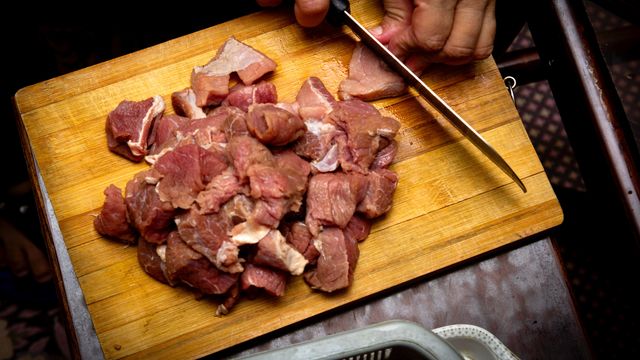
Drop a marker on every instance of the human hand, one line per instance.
(22, 256)
(309, 13)
(444, 31)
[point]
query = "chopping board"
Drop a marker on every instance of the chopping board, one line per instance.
(451, 204)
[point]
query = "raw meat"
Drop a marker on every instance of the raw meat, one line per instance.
(380, 187)
(193, 269)
(273, 125)
(314, 100)
(149, 215)
(184, 103)
(151, 262)
(209, 235)
(242, 96)
(129, 124)
(299, 237)
(336, 263)
(246, 151)
(270, 280)
(274, 251)
(211, 81)
(345, 192)
(112, 220)
(370, 78)
(163, 130)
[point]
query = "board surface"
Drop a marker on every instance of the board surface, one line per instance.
(451, 203)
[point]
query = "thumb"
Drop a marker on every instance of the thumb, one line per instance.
(310, 13)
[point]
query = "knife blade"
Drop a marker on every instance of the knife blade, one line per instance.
(340, 13)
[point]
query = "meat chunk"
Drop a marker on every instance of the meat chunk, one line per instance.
(129, 124)
(149, 215)
(193, 269)
(151, 261)
(184, 173)
(246, 151)
(242, 96)
(218, 191)
(369, 77)
(299, 237)
(274, 251)
(270, 280)
(112, 220)
(279, 188)
(317, 144)
(345, 191)
(211, 81)
(314, 100)
(358, 228)
(368, 132)
(273, 125)
(209, 235)
(381, 184)
(385, 157)
(184, 103)
(163, 130)
(336, 263)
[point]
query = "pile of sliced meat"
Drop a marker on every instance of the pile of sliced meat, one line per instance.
(244, 192)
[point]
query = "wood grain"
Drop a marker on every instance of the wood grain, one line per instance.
(451, 204)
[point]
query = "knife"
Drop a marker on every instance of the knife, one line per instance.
(339, 13)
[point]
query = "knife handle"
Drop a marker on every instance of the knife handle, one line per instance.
(337, 8)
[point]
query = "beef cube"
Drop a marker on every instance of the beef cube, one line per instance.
(314, 100)
(270, 280)
(190, 267)
(149, 215)
(381, 184)
(129, 124)
(299, 237)
(112, 220)
(151, 261)
(274, 251)
(242, 96)
(184, 103)
(274, 126)
(336, 263)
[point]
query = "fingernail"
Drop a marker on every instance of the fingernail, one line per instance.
(376, 31)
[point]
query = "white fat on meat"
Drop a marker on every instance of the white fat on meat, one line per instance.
(136, 145)
(229, 252)
(248, 232)
(292, 259)
(329, 162)
(235, 56)
(161, 250)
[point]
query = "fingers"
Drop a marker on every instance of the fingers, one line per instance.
(431, 23)
(397, 18)
(22, 256)
(446, 31)
(310, 13)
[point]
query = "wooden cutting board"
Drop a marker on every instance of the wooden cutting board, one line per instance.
(451, 203)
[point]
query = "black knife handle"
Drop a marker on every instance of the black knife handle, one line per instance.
(336, 11)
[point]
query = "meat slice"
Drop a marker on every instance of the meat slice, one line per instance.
(129, 124)
(185, 171)
(242, 96)
(184, 103)
(274, 251)
(246, 151)
(151, 261)
(112, 220)
(381, 184)
(190, 267)
(369, 77)
(336, 263)
(163, 130)
(270, 280)
(149, 215)
(211, 81)
(299, 237)
(209, 235)
(332, 199)
(314, 100)
(367, 133)
(273, 125)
